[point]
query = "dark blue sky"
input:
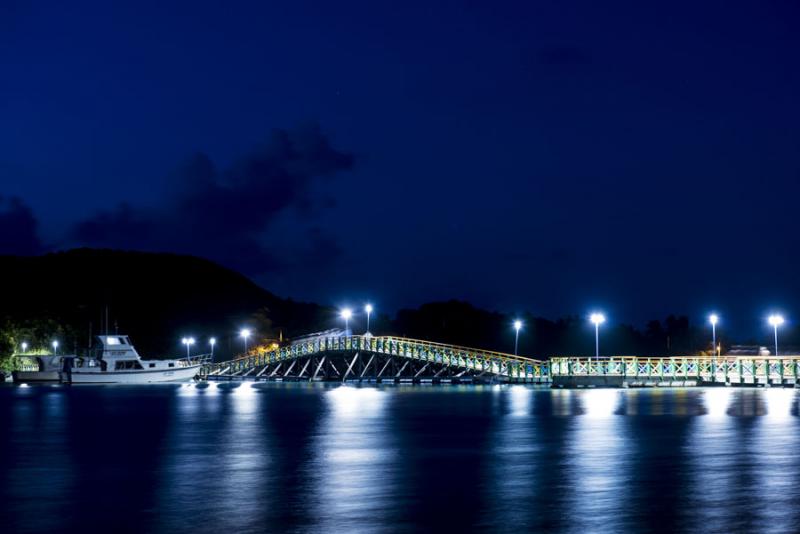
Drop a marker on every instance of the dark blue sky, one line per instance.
(542, 156)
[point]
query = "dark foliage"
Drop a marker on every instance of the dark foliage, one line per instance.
(158, 298)
(155, 298)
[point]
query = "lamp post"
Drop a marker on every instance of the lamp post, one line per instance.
(346, 314)
(776, 321)
(597, 319)
(212, 342)
(188, 341)
(714, 319)
(24, 346)
(55, 347)
(368, 310)
(245, 333)
(517, 328)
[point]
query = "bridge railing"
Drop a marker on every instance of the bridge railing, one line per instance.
(714, 368)
(469, 358)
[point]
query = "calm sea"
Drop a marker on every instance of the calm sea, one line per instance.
(322, 458)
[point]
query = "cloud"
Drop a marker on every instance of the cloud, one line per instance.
(18, 228)
(224, 214)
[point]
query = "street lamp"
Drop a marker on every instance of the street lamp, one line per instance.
(714, 319)
(55, 347)
(188, 341)
(597, 319)
(368, 310)
(212, 342)
(346, 314)
(245, 333)
(24, 347)
(517, 328)
(776, 321)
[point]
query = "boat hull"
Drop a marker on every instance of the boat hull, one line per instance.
(147, 376)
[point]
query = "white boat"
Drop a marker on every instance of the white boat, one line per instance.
(113, 361)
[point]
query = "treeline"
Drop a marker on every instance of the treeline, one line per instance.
(159, 298)
(463, 324)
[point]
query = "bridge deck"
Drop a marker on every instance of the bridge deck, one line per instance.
(734, 370)
(430, 357)
(384, 357)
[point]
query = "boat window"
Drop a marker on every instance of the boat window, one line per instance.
(152, 365)
(172, 365)
(127, 364)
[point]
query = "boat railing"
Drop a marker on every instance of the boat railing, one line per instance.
(199, 359)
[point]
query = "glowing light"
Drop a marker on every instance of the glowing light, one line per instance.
(24, 346)
(713, 319)
(519, 400)
(599, 403)
(212, 341)
(597, 318)
(355, 403)
(776, 320)
(517, 325)
(779, 403)
(55, 347)
(245, 333)
(346, 314)
(368, 308)
(717, 401)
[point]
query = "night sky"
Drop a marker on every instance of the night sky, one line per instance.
(545, 156)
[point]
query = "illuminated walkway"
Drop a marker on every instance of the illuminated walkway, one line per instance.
(380, 358)
(387, 358)
(634, 371)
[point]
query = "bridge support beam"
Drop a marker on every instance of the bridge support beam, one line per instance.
(388, 361)
(289, 370)
(308, 361)
(321, 362)
(364, 370)
(350, 367)
(402, 369)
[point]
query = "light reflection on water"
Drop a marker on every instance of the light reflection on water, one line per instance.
(322, 458)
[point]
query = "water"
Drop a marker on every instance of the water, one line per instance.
(314, 458)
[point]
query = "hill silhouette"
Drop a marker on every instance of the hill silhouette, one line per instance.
(159, 298)
(155, 298)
